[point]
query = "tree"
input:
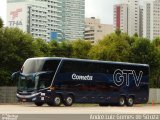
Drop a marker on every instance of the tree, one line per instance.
(113, 47)
(81, 49)
(118, 31)
(42, 48)
(156, 42)
(53, 47)
(144, 51)
(62, 49)
(135, 35)
(15, 47)
(1, 23)
(65, 49)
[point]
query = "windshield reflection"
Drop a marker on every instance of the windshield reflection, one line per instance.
(35, 82)
(26, 83)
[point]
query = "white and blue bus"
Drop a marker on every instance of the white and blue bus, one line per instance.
(57, 81)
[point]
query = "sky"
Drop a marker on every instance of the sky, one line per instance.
(102, 9)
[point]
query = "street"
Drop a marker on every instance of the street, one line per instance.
(78, 109)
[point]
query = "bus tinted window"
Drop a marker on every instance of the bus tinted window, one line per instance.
(83, 67)
(50, 65)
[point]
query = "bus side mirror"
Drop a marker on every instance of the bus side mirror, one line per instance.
(15, 75)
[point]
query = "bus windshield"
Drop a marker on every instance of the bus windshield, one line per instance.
(26, 83)
(29, 80)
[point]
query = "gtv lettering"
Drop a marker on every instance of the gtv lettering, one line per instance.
(122, 76)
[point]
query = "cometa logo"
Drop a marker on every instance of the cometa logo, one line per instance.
(80, 77)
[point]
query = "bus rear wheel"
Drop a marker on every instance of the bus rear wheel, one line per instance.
(39, 103)
(130, 101)
(121, 101)
(69, 100)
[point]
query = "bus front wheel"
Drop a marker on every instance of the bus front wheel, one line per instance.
(39, 103)
(69, 100)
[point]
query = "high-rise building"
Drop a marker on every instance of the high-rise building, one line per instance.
(95, 31)
(151, 19)
(126, 16)
(41, 18)
(133, 17)
(48, 19)
(121, 17)
(73, 19)
(141, 21)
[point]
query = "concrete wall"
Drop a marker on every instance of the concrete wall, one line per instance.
(8, 95)
(154, 95)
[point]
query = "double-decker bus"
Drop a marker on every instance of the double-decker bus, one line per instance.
(57, 81)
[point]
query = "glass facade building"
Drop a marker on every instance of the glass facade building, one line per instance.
(42, 18)
(73, 18)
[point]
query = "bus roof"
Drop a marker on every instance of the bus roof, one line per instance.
(89, 60)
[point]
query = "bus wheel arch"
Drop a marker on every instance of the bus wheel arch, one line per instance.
(69, 100)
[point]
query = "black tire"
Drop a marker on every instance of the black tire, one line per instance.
(38, 103)
(50, 104)
(121, 101)
(57, 100)
(69, 100)
(130, 101)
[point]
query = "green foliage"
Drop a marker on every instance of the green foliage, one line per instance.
(1, 23)
(62, 49)
(114, 47)
(81, 49)
(42, 48)
(118, 31)
(15, 47)
(135, 35)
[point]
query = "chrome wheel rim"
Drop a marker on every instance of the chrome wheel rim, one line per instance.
(57, 100)
(69, 100)
(130, 101)
(121, 101)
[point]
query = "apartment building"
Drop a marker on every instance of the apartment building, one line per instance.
(95, 30)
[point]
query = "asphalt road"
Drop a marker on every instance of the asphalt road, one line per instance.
(78, 109)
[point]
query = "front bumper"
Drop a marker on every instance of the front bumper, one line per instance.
(28, 98)
(39, 96)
